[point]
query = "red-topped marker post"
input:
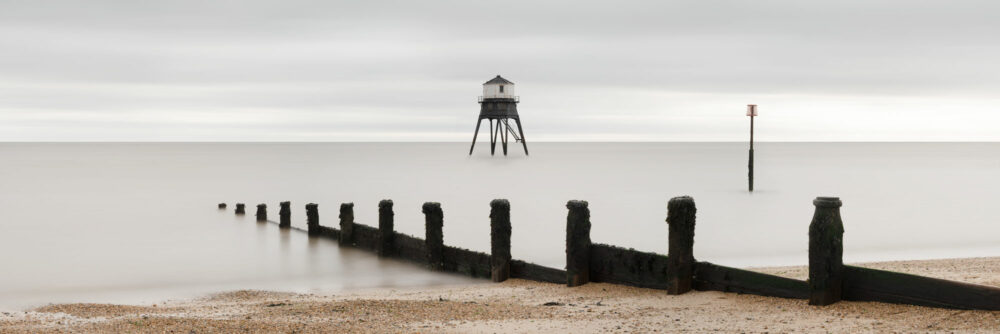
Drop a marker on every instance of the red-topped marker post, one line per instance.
(752, 112)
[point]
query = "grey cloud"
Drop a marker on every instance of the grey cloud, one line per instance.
(574, 61)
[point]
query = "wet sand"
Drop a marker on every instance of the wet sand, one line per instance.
(524, 306)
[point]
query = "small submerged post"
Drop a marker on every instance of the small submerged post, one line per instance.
(261, 212)
(499, 240)
(285, 214)
(312, 219)
(577, 243)
(385, 232)
(240, 208)
(826, 251)
(680, 257)
(434, 236)
(346, 223)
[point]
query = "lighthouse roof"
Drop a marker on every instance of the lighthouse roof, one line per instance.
(499, 80)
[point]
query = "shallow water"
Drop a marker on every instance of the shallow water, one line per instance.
(137, 222)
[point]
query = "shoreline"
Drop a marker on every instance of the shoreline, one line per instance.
(525, 306)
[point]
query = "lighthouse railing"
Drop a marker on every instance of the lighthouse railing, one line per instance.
(513, 97)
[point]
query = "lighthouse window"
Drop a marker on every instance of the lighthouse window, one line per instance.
(501, 88)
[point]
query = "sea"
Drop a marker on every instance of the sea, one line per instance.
(139, 223)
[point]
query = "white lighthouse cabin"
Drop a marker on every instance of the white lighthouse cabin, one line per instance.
(498, 88)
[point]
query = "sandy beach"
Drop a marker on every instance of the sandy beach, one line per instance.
(523, 306)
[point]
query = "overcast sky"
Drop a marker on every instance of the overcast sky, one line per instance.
(585, 70)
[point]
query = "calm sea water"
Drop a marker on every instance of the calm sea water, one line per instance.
(137, 222)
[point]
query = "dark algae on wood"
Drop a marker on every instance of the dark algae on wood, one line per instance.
(865, 284)
(346, 224)
(680, 220)
(826, 251)
(500, 240)
(434, 234)
(261, 212)
(285, 214)
(610, 264)
(385, 228)
(711, 277)
(577, 243)
(312, 219)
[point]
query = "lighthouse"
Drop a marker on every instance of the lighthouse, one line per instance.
(498, 104)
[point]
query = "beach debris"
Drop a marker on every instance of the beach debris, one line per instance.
(553, 304)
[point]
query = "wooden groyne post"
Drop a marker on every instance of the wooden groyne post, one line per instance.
(261, 212)
(312, 219)
(385, 232)
(285, 214)
(826, 250)
(240, 209)
(434, 234)
(577, 243)
(500, 240)
(346, 224)
(680, 257)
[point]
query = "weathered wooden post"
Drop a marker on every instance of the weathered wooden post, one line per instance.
(285, 214)
(346, 223)
(433, 223)
(577, 243)
(499, 240)
(826, 250)
(680, 257)
(385, 233)
(312, 219)
(222, 206)
(240, 209)
(261, 212)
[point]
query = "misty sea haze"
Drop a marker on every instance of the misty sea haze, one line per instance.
(137, 222)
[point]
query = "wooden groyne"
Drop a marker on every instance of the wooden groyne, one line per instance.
(677, 272)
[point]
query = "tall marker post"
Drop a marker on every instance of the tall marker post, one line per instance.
(751, 111)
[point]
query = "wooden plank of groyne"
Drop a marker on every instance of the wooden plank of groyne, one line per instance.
(328, 232)
(534, 272)
(865, 284)
(465, 261)
(364, 237)
(409, 248)
(711, 277)
(610, 264)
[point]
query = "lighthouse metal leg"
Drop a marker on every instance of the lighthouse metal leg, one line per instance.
(474, 135)
(521, 130)
(504, 139)
(493, 138)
